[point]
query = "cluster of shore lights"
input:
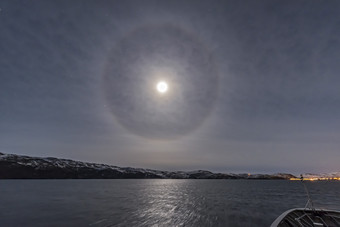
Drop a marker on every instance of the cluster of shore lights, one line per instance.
(317, 178)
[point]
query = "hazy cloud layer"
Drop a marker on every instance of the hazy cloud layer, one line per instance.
(278, 102)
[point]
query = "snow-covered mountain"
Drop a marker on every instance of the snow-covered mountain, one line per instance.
(24, 167)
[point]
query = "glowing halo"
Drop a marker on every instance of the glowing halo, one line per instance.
(136, 64)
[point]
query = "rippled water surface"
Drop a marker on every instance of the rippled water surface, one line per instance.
(156, 202)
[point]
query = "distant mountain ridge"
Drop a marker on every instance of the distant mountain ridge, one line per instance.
(25, 167)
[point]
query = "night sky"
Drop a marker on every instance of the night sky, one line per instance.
(253, 86)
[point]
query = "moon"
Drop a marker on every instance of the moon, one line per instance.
(162, 87)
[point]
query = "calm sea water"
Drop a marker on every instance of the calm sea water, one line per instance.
(156, 202)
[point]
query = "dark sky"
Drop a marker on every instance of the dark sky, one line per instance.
(254, 86)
